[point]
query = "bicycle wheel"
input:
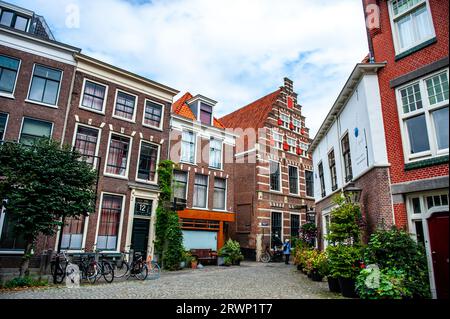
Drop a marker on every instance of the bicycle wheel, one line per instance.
(120, 269)
(265, 258)
(60, 272)
(154, 271)
(107, 271)
(141, 271)
(92, 272)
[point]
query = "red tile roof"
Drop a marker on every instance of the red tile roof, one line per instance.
(181, 108)
(253, 115)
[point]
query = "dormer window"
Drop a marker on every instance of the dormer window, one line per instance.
(13, 20)
(205, 115)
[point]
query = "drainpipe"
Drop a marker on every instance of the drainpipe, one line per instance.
(369, 38)
(69, 102)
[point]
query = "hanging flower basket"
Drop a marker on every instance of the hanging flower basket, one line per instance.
(285, 146)
(280, 122)
(299, 151)
(291, 126)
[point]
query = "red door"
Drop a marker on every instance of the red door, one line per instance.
(439, 242)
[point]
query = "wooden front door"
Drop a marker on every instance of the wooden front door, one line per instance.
(439, 242)
(139, 236)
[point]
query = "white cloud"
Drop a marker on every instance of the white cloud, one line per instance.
(232, 51)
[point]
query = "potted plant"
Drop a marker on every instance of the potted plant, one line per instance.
(345, 260)
(232, 250)
(194, 263)
(319, 266)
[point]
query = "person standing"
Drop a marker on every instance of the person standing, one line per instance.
(287, 251)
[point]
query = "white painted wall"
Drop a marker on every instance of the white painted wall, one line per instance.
(362, 111)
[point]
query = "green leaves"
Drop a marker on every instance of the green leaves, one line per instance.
(391, 284)
(231, 249)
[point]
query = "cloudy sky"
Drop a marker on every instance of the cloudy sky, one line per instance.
(233, 51)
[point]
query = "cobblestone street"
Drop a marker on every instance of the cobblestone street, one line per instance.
(250, 280)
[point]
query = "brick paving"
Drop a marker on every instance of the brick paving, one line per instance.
(250, 280)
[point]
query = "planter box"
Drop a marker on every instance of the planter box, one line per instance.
(348, 287)
(333, 284)
(220, 261)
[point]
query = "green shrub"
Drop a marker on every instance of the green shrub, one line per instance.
(345, 220)
(394, 249)
(231, 249)
(24, 282)
(388, 283)
(344, 260)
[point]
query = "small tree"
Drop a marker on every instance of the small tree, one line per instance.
(169, 238)
(44, 184)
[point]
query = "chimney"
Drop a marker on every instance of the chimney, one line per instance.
(289, 86)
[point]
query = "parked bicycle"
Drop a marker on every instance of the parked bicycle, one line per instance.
(133, 265)
(87, 266)
(272, 255)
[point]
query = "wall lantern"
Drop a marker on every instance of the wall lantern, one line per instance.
(352, 193)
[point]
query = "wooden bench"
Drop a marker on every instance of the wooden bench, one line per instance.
(206, 256)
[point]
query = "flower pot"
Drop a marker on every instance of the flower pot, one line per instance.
(182, 264)
(347, 287)
(315, 276)
(236, 262)
(299, 267)
(309, 274)
(333, 284)
(220, 261)
(194, 264)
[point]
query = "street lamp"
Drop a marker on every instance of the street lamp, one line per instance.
(311, 216)
(352, 193)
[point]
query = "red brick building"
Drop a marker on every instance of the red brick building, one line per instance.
(204, 177)
(412, 38)
(273, 172)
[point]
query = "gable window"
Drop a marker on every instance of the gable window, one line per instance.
(309, 180)
(148, 157)
(278, 140)
(86, 142)
(200, 190)
(8, 74)
(423, 109)
(322, 180)
(297, 125)
(34, 130)
(72, 234)
(332, 164)
(205, 113)
(180, 180)
(45, 85)
(215, 153)
(94, 95)
(188, 147)
(347, 158)
(292, 143)
(110, 215)
(117, 161)
(412, 23)
(125, 105)
(275, 176)
(285, 119)
(220, 188)
(293, 180)
(3, 121)
(304, 148)
(295, 225)
(153, 114)
(13, 20)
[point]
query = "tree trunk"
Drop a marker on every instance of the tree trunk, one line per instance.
(24, 271)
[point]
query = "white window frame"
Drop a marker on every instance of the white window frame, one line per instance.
(292, 147)
(282, 226)
(136, 102)
(155, 181)
(278, 143)
(207, 193)
(304, 148)
(119, 234)
(53, 106)
(195, 147)
(226, 195)
(221, 153)
(286, 116)
(128, 157)
(297, 128)
(161, 124)
(427, 110)
(298, 180)
(11, 95)
(325, 229)
(395, 35)
(97, 147)
(83, 241)
(2, 220)
(187, 183)
(104, 100)
(2, 138)
(280, 179)
(36, 119)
